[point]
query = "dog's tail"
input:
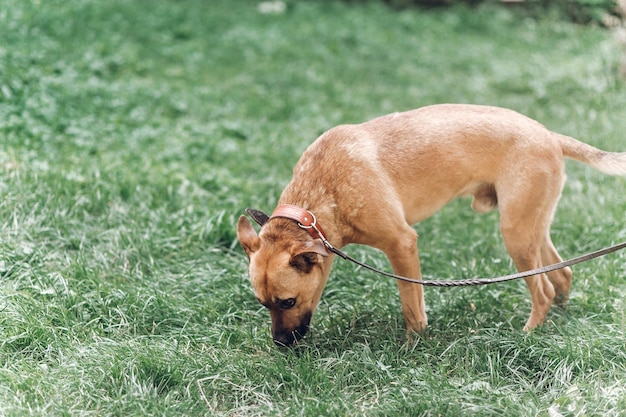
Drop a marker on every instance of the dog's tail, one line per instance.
(611, 163)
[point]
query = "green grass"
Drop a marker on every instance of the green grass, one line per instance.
(135, 133)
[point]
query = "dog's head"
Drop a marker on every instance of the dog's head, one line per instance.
(287, 270)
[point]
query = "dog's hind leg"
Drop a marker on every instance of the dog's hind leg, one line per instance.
(561, 278)
(527, 197)
(525, 219)
(525, 249)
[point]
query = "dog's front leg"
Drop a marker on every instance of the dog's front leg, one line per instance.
(403, 256)
(413, 308)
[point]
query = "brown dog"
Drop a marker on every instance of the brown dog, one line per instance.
(369, 183)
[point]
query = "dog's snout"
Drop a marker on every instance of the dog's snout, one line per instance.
(287, 337)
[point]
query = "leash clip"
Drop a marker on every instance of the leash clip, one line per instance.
(319, 234)
(312, 224)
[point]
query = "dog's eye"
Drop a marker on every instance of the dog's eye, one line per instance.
(287, 304)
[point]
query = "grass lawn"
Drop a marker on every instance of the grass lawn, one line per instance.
(134, 133)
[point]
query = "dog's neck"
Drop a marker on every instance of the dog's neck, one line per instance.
(304, 191)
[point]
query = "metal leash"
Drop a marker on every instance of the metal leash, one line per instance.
(483, 281)
(472, 281)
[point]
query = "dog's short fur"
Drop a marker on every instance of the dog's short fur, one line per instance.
(369, 183)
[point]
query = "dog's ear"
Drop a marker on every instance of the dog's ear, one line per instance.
(247, 236)
(258, 216)
(305, 255)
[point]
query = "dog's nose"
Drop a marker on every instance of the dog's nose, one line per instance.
(284, 341)
(287, 338)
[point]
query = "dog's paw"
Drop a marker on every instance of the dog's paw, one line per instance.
(561, 300)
